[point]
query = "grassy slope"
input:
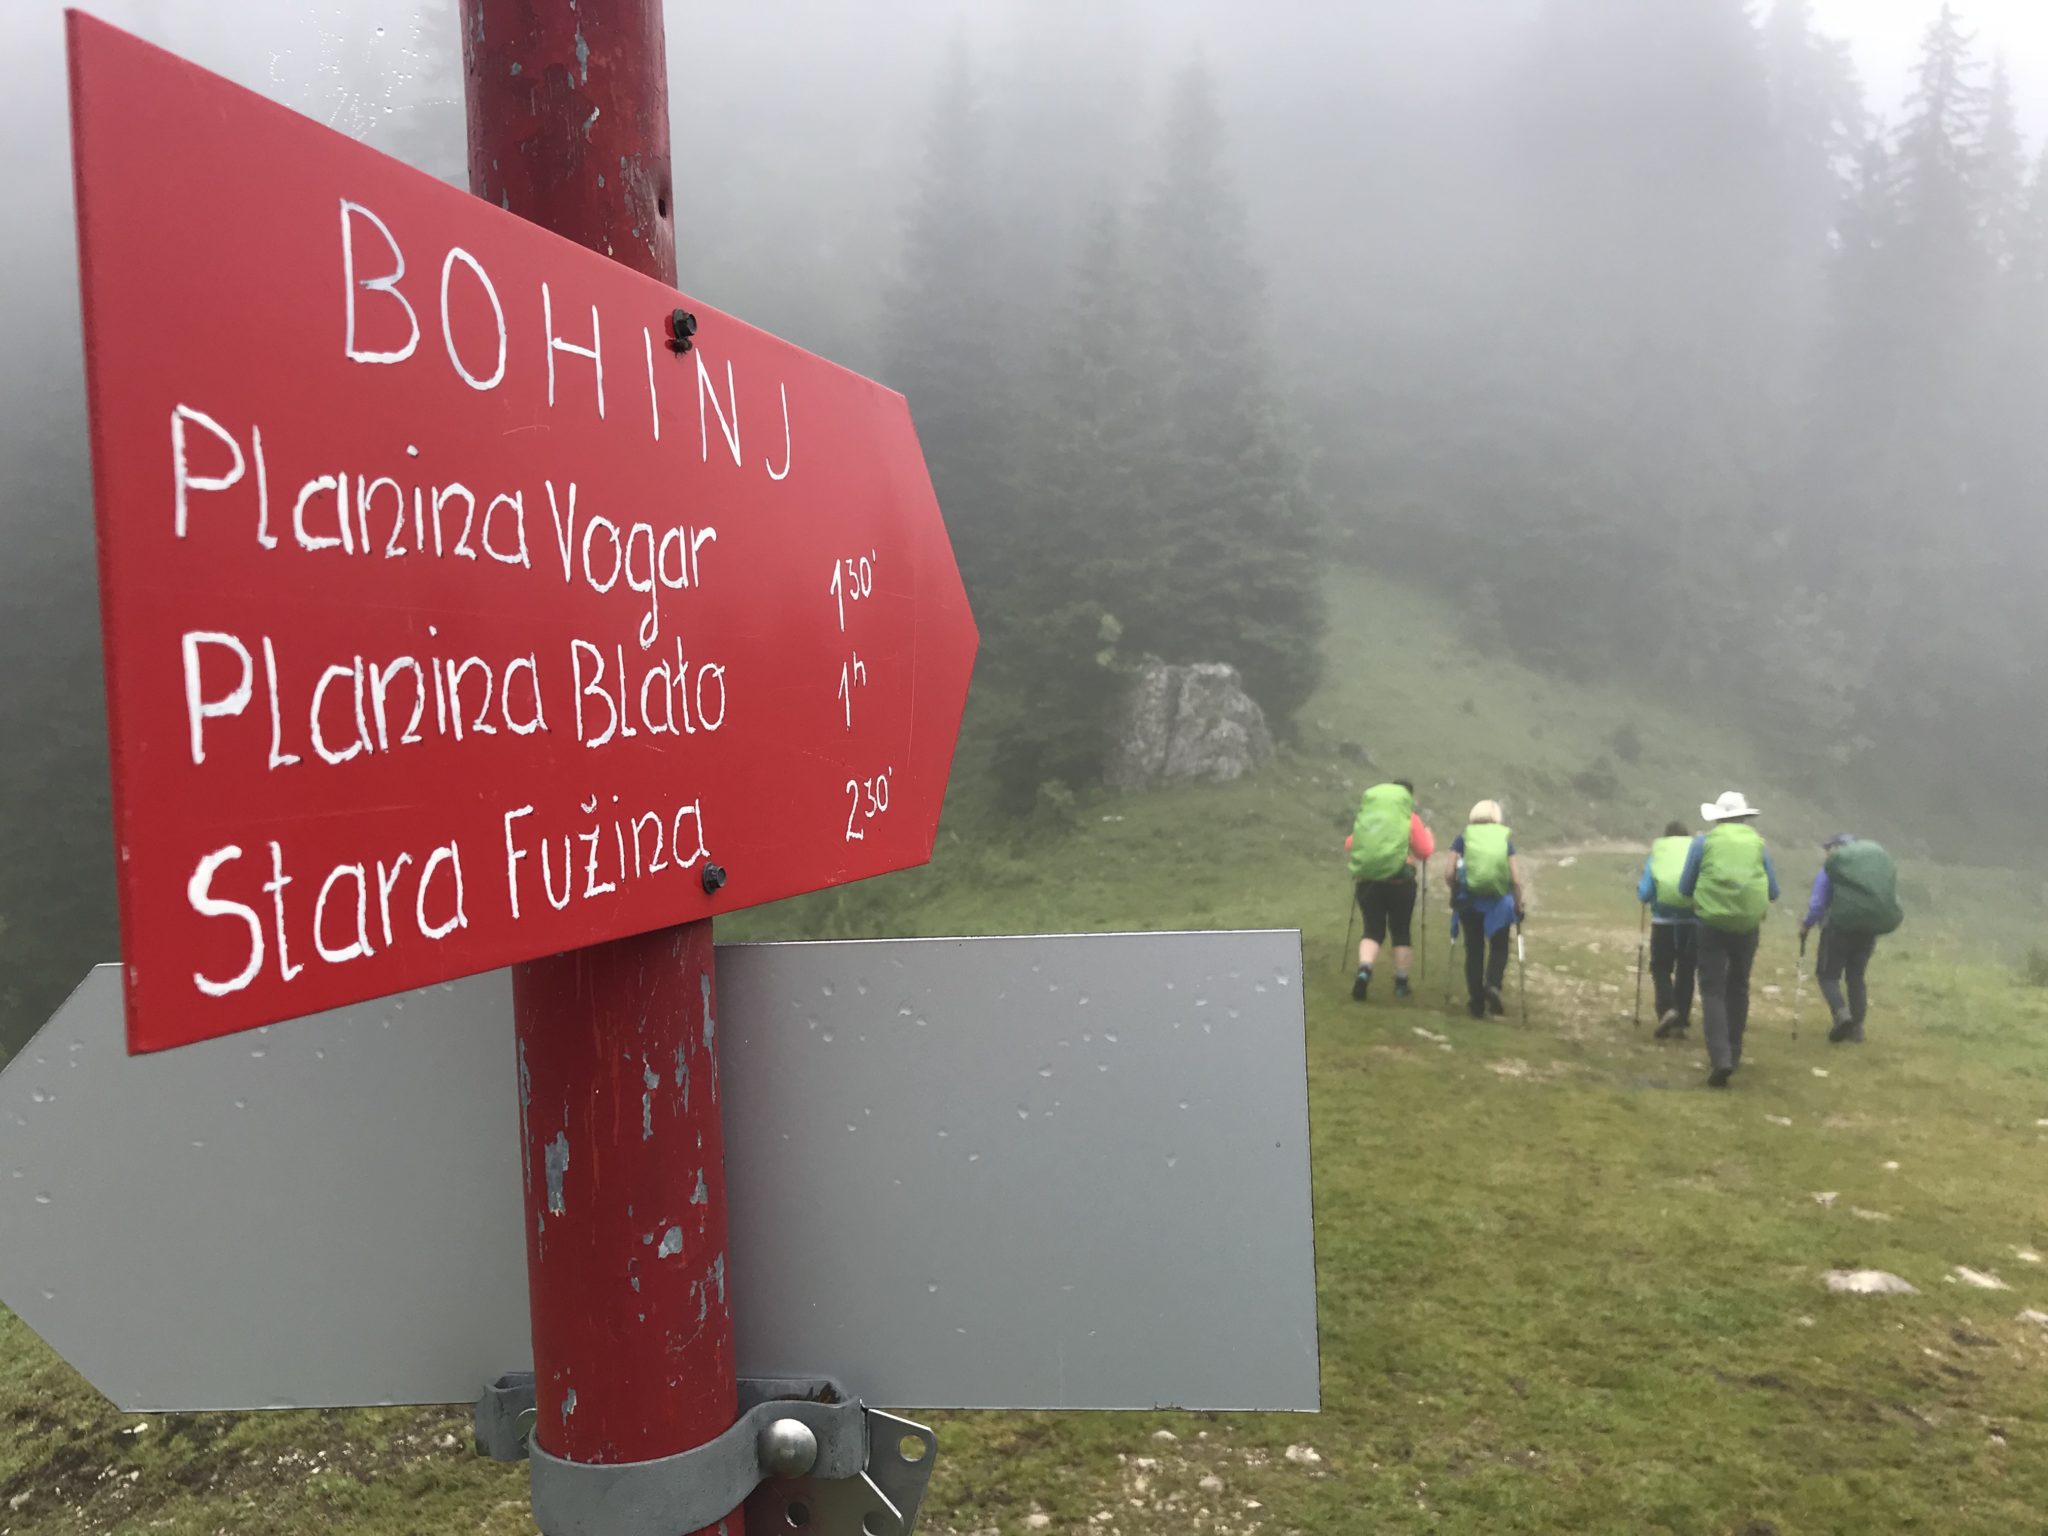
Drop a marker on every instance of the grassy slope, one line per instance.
(1562, 1287)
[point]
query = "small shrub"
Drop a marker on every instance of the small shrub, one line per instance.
(1055, 807)
(1627, 742)
(2034, 970)
(1598, 781)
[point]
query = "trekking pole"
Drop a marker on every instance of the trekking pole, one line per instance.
(1641, 929)
(1522, 972)
(1422, 958)
(1346, 955)
(1799, 985)
(1450, 960)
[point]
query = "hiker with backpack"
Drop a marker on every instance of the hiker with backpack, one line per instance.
(1486, 903)
(1388, 842)
(1731, 882)
(1674, 931)
(1855, 903)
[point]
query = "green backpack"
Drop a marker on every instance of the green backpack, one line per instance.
(1667, 863)
(1733, 891)
(1487, 871)
(1379, 837)
(1863, 886)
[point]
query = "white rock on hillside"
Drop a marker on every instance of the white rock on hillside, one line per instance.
(1978, 1278)
(1868, 1282)
(1186, 725)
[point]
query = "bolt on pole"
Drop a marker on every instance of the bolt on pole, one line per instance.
(621, 1139)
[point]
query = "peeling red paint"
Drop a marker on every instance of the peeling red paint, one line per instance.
(641, 1325)
(568, 121)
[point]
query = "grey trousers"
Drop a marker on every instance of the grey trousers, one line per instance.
(1845, 954)
(1724, 966)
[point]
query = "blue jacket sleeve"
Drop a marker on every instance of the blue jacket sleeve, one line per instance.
(1771, 873)
(1646, 888)
(1690, 876)
(1817, 907)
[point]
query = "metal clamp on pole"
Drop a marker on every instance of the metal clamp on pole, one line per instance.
(805, 1457)
(504, 1417)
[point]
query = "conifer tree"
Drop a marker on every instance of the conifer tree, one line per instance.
(2003, 175)
(1091, 523)
(951, 339)
(1237, 522)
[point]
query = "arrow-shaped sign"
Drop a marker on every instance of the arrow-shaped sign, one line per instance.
(462, 603)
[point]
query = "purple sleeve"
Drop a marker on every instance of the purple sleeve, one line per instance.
(1817, 908)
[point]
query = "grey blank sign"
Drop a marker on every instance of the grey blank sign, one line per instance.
(1039, 1172)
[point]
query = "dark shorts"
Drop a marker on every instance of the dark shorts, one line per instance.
(1389, 906)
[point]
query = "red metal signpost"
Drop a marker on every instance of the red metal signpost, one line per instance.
(471, 598)
(454, 616)
(632, 1325)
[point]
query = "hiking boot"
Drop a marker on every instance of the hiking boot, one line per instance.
(1495, 1004)
(1476, 1007)
(1360, 982)
(1718, 1078)
(1855, 1034)
(1401, 987)
(1670, 1028)
(1845, 1028)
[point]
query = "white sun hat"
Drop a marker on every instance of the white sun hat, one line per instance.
(1730, 807)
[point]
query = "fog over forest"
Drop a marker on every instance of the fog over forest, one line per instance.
(1653, 341)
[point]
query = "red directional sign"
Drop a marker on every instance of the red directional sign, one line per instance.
(453, 614)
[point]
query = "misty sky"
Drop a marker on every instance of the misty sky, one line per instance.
(1886, 35)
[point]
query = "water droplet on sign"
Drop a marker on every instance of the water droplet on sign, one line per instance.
(1045, 1071)
(42, 1197)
